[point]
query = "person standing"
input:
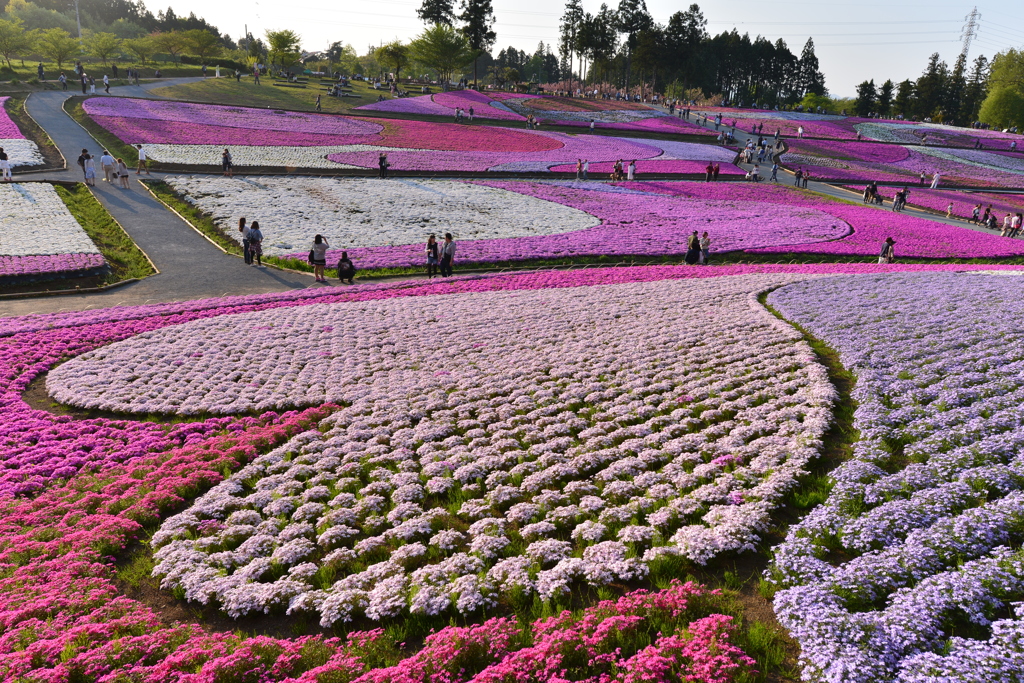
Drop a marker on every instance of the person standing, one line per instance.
(705, 248)
(90, 170)
(142, 161)
(586, 168)
(122, 173)
(888, 253)
(949, 210)
(471, 114)
(92, 85)
(81, 160)
(5, 166)
(975, 213)
(318, 257)
(382, 164)
(715, 172)
(433, 256)
(693, 248)
(631, 170)
(775, 173)
(84, 80)
(447, 255)
(922, 177)
(579, 168)
(40, 73)
(107, 164)
(709, 171)
(204, 71)
(63, 80)
(106, 84)
(755, 175)
(799, 176)
(318, 107)
(226, 163)
(935, 180)
(256, 76)
(256, 245)
(245, 230)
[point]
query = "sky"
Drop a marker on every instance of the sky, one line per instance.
(854, 41)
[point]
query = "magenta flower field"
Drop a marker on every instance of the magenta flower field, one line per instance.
(8, 129)
(865, 161)
(189, 134)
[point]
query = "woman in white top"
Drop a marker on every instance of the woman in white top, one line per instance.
(318, 257)
(90, 170)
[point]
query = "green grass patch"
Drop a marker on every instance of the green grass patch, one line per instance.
(247, 94)
(126, 260)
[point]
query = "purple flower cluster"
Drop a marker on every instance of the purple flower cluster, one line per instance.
(18, 266)
(8, 129)
(920, 535)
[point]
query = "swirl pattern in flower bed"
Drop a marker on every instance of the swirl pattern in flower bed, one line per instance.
(543, 448)
(919, 541)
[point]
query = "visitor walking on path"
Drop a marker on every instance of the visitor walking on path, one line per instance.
(935, 180)
(318, 257)
(318, 108)
(256, 245)
(107, 164)
(888, 253)
(382, 165)
(631, 170)
(142, 161)
(106, 84)
(579, 168)
(447, 255)
(433, 256)
(122, 173)
(705, 248)
(90, 170)
(245, 230)
(975, 213)
(949, 210)
(63, 80)
(81, 160)
(226, 163)
(346, 269)
(775, 173)
(799, 175)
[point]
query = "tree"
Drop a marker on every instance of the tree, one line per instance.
(103, 46)
(1003, 108)
(170, 42)
(442, 49)
(437, 12)
(904, 101)
(56, 44)
(867, 96)
(478, 19)
(931, 86)
(810, 78)
(202, 44)
(13, 39)
(140, 48)
(283, 47)
(685, 33)
(1007, 70)
(393, 55)
(632, 17)
(569, 30)
(974, 94)
(885, 94)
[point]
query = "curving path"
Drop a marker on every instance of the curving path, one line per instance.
(190, 266)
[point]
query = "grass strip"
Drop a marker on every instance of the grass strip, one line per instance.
(125, 258)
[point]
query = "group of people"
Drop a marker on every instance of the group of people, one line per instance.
(461, 113)
(1011, 226)
(440, 256)
(318, 259)
(697, 248)
(627, 172)
(113, 169)
(801, 177)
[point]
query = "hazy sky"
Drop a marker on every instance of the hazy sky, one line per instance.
(855, 41)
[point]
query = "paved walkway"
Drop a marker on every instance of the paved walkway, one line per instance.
(190, 266)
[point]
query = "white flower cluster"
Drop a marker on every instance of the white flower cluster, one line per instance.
(270, 156)
(34, 221)
(356, 212)
(22, 152)
(491, 443)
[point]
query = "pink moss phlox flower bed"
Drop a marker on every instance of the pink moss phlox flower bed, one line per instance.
(483, 106)
(152, 131)
(63, 618)
(421, 135)
(963, 202)
(915, 237)
(8, 129)
(654, 166)
(634, 224)
(15, 266)
(844, 161)
(250, 119)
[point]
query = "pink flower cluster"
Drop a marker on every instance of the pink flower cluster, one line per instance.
(8, 129)
(25, 266)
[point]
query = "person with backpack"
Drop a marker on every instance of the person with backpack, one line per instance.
(256, 245)
(346, 269)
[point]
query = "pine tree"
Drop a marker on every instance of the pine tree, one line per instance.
(478, 17)
(632, 18)
(572, 20)
(974, 93)
(885, 94)
(437, 12)
(867, 97)
(811, 80)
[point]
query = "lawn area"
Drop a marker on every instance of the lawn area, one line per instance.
(247, 94)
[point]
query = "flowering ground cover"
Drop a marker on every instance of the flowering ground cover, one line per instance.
(912, 569)
(963, 202)
(195, 134)
(20, 151)
(39, 236)
(385, 225)
(846, 161)
(915, 237)
(64, 617)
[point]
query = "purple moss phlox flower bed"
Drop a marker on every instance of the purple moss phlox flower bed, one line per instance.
(14, 266)
(8, 129)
